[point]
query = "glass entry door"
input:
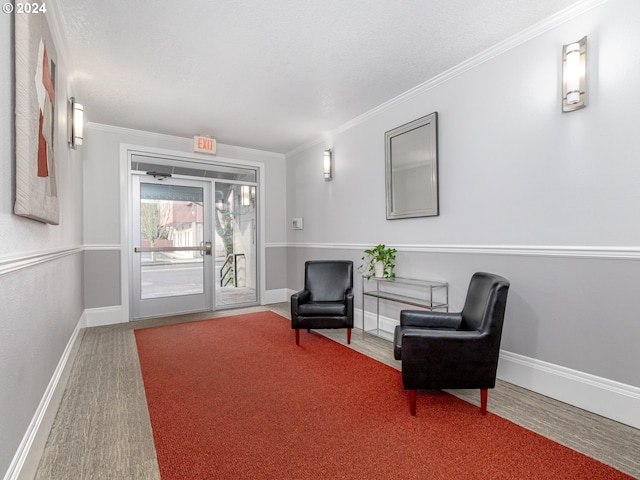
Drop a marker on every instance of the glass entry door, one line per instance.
(235, 244)
(172, 261)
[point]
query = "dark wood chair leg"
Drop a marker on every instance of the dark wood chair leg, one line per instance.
(484, 393)
(348, 336)
(412, 402)
(297, 337)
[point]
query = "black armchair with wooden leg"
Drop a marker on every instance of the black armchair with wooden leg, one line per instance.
(327, 298)
(443, 350)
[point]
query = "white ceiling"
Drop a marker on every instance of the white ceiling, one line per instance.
(275, 74)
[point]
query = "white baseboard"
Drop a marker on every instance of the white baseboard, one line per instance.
(614, 400)
(386, 323)
(276, 296)
(610, 399)
(290, 292)
(97, 317)
(32, 445)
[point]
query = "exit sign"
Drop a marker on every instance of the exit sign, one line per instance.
(204, 145)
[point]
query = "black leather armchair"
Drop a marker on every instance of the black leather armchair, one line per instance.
(327, 298)
(442, 350)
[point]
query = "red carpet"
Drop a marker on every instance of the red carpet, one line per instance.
(235, 398)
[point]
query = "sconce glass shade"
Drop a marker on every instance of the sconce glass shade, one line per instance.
(574, 75)
(77, 121)
(328, 171)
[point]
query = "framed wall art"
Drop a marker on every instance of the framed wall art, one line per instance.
(35, 89)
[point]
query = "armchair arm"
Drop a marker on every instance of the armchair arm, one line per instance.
(430, 319)
(297, 299)
(448, 359)
(348, 299)
(451, 341)
(303, 296)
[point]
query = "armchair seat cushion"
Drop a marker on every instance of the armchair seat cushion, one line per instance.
(322, 309)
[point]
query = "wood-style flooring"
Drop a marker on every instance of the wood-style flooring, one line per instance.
(102, 428)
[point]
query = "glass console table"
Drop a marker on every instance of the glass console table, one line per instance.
(426, 294)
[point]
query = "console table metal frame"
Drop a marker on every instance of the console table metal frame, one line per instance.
(426, 303)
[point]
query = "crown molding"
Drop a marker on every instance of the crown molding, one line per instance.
(530, 33)
(54, 19)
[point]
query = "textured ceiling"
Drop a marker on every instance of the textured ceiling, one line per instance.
(271, 74)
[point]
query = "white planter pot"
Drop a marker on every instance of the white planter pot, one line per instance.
(378, 269)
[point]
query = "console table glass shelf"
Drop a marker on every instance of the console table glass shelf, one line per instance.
(425, 294)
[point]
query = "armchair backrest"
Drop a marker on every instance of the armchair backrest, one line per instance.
(328, 280)
(485, 303)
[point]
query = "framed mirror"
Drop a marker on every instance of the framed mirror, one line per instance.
(412, 169)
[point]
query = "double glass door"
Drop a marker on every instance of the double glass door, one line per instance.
(194, 245)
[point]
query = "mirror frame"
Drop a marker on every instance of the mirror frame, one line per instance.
(430, 125)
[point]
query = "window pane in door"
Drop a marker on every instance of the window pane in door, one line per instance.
(171, 216)
(236, 251)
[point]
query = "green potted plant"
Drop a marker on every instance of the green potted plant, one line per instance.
(379, 262)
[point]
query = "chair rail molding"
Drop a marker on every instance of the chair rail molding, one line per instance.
(26, 260)
(616, 252)
(102, 247)
(276, 245)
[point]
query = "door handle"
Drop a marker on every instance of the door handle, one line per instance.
(205, 248)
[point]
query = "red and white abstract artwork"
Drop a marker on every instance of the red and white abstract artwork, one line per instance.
(36, 183)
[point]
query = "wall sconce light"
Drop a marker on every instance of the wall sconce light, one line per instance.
(328, 170)
(76, 121)
(574, 75)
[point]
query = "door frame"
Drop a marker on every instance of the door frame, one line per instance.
(188, 159)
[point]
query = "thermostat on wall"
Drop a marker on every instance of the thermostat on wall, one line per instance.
(297, 223)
